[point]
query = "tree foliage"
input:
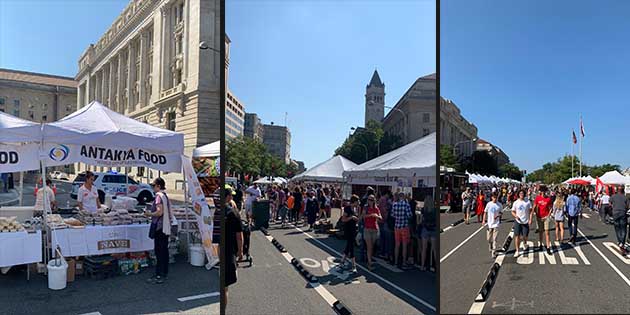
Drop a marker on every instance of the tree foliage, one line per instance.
(247, 156)
(560, 170)
(448, 159)
(366, 144)
(510, 170)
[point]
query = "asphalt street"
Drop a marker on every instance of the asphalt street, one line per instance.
(118, 295)
(273, 285)
(587, 278)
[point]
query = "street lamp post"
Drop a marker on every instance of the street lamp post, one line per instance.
(204, 46)
(405, 120)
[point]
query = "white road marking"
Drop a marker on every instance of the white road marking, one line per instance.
(578, 249)
(566, 260)
(200, 296)
(525, 258)
(607, 260)
(310, 262)
(614, 248)
(586, 215)
(92, 313)
(447, 228)
(405, 292)
(543, 256)
(477, 307)
(323, 292)
(461, 244)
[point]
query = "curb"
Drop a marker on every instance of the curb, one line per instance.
(305, 273)
(278, 245)
(341, 309)
(491, 278)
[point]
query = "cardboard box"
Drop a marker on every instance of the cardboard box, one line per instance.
(71, 269)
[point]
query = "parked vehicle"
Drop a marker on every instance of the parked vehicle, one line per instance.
(115, 184)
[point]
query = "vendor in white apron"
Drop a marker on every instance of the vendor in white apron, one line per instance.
(88, 194)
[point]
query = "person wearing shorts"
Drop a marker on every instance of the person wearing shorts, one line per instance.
(542, 209)
(401, 211)
(370, 231)
(492, 215)
(521, 211)
(467, 203)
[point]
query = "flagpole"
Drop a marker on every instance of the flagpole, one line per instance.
(581, 137)
(572, 154)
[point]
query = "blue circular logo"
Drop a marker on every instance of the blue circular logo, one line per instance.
(59, 153)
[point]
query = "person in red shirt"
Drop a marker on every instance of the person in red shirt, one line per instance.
(370, 230)
(542, 209)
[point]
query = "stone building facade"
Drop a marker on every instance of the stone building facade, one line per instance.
(253, 127)
(35, 96)
(277, 139)
(234, 116)
(455, 130)
(149, 66)
(494, 151)
(415, 114)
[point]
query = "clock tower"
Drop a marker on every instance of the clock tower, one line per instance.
(375, 99)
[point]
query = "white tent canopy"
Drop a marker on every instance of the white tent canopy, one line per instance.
(19, 144)
(270, 180)
(14, 129)
(330, 170)
(209, 150)
(614, 178)
(99, 136)
(414, 161)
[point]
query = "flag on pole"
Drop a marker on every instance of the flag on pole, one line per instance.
(574, 137)
(600, 187)
(581, 127)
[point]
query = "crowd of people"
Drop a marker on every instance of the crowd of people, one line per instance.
(550, 208)
(381, 224)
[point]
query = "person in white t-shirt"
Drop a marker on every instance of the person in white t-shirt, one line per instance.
(605, 208)
(521, 211)
(253, 194)
(88, 195)
(50, 195)
(492, 213)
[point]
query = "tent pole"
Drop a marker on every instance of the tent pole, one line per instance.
(21, 189)
(187, 218)
(126, 183)
(45, 212)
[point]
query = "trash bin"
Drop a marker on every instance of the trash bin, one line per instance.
(260, 211)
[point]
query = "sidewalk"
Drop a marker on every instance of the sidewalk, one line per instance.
(9, 198)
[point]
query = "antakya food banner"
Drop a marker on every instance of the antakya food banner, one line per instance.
(62, 154)
(205, 216)
(16, 158)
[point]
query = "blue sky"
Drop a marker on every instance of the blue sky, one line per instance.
(313, 60)
(524, 71)
(49, 36)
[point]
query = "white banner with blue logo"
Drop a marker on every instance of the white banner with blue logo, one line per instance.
(17, 158)
(62, 154)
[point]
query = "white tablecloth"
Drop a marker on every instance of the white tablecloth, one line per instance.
(99, 240)
(19, 248)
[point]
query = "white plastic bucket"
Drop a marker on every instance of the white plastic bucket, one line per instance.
(197, 256)
(57, 274)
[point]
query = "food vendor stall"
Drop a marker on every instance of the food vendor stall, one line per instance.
(20, 241)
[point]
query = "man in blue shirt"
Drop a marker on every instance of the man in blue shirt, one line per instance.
(573, 212)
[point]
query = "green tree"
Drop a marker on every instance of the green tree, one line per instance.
(560, 170)
(510, 170)
(481, 162)
(366, 143)
(448, 159)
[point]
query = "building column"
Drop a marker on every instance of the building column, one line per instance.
(119, 82)
(80, 93)
(110, 86)
(104, 89)
(129, 78)
(143, 69)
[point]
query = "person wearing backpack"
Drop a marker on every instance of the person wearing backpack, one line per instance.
(160, 230)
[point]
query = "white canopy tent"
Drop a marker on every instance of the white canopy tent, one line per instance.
(270, 180)
(413, 163)
(97, 135)
(614, 178)
(330, 170)
(19, 144)
(209, 150)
